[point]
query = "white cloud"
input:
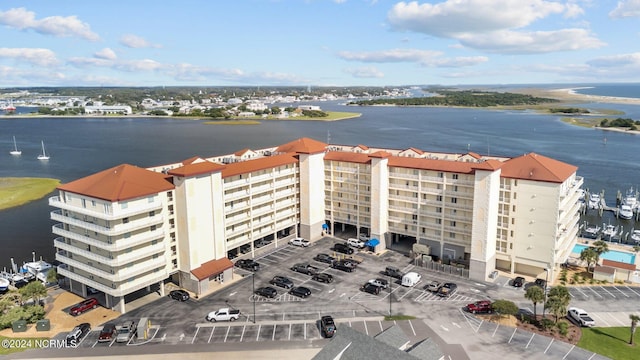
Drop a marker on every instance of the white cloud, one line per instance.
(139, 65)
(512, 42)
(620, 60)
(40, 57)
(422, 57)
(106, 54)
(22, 19)
(366, 72)
(626, 8)
(136, 42)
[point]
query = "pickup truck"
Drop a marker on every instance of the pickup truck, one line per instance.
(305, 269)
(581, 317)
(224, 314)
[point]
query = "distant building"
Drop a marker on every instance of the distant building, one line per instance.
(125, 228)
(109, 109)
(309, 107)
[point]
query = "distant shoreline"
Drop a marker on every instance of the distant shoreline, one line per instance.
(208, 119)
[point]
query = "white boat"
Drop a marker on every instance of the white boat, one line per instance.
(44, 155)
(631, 199)
(15, 150)
(635, 236)
(609, 231)
(4, 284)
(591, 231)
(625, 212)
(594, 201)
(39, 269)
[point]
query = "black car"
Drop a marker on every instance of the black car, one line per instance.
(447, 289)
(541, 283)
(323, 277)
(300, 291)
(341, 265)
(305, 269)
(327, 326)
(179, 295)
(282, 282)
(325, 258)
(518, 282)
(267, 291)
(343, 248)
(393, 272)
(77, 334)
(371, 289)
(248, 264)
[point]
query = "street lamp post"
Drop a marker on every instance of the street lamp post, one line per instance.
(390, 282)
(546, 280)
(253, 291)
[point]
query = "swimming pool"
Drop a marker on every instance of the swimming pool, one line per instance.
(612, 255)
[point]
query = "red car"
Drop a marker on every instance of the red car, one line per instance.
(107, 333)
(482, 306)
(81, 307)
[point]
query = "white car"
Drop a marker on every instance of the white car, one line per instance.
(299, 242)
(355, 243)
(363, 237)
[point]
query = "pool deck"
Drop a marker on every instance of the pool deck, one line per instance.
(612, 246)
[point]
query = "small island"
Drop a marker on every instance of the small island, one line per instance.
(19, 191)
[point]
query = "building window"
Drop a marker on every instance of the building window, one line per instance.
(124, 205)
(455, 188)
(439, 210)
(125, 220)
(127, 235)
(514, 208)
(440, 174)
(84, 203)
(152, 213)
(438, 197)
(455, 176)
(93, 203)
(452, 235)
(438, 221)
(454, 200)
(452, 223)
(153, 227)
(150, 199)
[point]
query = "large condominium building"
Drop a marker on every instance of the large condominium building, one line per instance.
(126, 228)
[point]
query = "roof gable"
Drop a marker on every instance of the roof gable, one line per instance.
(196, 168)
(122, 182)
(303, 146)
(347, 157)
(268, 162)
(537, 168)
(211, 268)
(432, 164)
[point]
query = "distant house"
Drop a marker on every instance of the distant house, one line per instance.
(309, 107)
(109, 109)
(613, 271)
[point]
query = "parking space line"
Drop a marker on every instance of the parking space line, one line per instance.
(273, 335)
(591, 357)
(412, 329)
(602, 287)
(289, 338)
(366, 329)
(567, 354)
(496, 329)
(242, 334)
(512, 335)
(210, 336)
(633, 291)
(597, 315)
(305, 331)
(548, 346)
(196, 334)
(532, 335)
(584, 294)
(381, 328)
(615, 287)
(227, 334)
(616, 319)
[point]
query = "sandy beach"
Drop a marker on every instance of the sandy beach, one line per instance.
(570, 94)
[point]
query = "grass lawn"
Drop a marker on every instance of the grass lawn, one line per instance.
(612, 342)
(19, 191)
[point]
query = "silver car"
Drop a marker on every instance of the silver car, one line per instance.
(125, 331)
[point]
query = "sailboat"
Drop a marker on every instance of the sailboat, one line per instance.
(15, 150)
(44, 155)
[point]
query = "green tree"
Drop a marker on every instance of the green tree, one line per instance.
(275, 110)
(634, 323)
(52, 276)
(558, 301)
(504, 307)
(600, 247)
(536, 295)
(590, 256)
(34, 290)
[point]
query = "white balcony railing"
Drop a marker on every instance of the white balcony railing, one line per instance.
(119, 260)
(117, 245)
(110, 214)
(115, 230)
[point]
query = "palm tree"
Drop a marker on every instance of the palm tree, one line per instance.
(634, 322)
(536, 295)
(590, 256)
(558, 300)
(600, 247)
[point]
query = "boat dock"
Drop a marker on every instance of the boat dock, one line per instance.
(597, 202)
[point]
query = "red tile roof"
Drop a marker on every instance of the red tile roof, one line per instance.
(191, 160)
(380, 154)
(122, 182)
(196, 168)
(618, 265)
(537, 168)
(418, 151)
(268, 162)
(363, 147)
(241, 152)
(348, 157)
(433, 164)
(211, 268)
(490, 165)
(302, 146)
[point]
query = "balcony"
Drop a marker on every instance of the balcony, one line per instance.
(119, 275)
(398, 175)
(234, 195)
(121, 289)
(54, 201)
(115, 230)
(118, 245)
(235, 183)
(119, 260)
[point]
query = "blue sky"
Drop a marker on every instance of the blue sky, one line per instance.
(317, 42)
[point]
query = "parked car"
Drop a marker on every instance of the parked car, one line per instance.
(281, 281)
(363, 237)
(299, 242)
(126, 331)
(433, 286)
(327, 326)
(343, 266)
(447, 289)
(518, 282)
(383, 283)
(107, 332)
(77, 334)
(179, 295)
(480, 307)
(581, 317)
(260, 243)
(248, 264)
(267, 291)
(323, 277)
(356, 243)
(305, 268)
(542, 283)
(393, 272)
(224, 314)
(343, 248)
(83, 306)
(300, 291)
(371, 289)
(411, 279)
(325, 258)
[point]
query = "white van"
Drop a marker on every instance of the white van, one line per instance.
(411, 278)
(355, 243)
